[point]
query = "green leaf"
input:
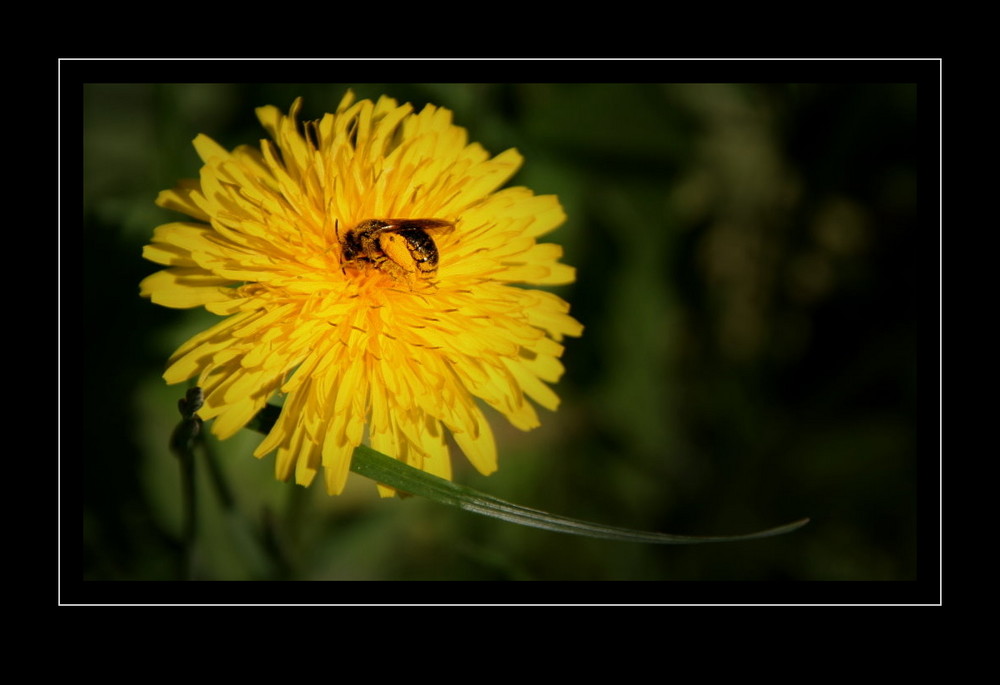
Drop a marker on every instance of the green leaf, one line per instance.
(388, 471)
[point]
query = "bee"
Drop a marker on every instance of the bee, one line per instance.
(396, 246)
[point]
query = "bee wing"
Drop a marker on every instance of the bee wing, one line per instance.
(443, 227)
(432, 225)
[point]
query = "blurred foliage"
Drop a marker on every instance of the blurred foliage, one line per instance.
(746, 276)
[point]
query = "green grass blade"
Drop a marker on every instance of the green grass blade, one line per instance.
(388, 471)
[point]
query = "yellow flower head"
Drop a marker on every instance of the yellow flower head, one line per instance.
(367, 265)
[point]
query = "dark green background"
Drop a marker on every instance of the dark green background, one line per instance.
(747, 276)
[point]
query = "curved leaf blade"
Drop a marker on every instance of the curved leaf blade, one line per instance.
(388, 471)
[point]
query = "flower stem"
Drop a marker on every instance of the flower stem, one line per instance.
(182, 442)
(189, 527)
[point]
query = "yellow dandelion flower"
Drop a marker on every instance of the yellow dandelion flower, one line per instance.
(370, 270)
